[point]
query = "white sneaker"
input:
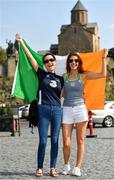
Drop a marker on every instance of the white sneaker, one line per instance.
(66, 169)
(76, 171)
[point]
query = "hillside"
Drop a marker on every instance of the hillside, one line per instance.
(5, 92)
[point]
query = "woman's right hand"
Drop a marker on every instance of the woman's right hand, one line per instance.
(18, 38)
(27, 52)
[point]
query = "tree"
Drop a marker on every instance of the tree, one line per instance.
(3, 56)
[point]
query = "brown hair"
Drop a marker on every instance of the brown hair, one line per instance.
(80, 70)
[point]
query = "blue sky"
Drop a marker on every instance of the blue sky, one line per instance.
(39, 21)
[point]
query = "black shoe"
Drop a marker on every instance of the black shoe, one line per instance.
(12, 134)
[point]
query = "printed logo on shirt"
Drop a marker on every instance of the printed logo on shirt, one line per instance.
(58, 80)
(53, 83)
(47, 75)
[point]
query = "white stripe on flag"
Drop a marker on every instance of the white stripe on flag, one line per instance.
(14, 81)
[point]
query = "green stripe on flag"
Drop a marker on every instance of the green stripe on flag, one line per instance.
(26, 82)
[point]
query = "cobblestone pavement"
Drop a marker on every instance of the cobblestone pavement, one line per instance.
(18, 155)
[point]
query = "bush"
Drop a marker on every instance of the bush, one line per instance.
(2, 110)
(9, 110)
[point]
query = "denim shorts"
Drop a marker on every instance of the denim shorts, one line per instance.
(74, 114)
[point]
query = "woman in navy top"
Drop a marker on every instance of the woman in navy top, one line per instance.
(49, 111)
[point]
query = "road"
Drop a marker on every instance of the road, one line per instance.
(18, 155)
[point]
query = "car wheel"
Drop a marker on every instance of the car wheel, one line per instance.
(108, 121)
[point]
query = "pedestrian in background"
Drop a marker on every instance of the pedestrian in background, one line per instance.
(74, 109)
(49, 111)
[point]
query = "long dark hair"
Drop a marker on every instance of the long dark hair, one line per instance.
(80, 70)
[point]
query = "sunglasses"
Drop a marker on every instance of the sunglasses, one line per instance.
(49, 60)
(73, 60)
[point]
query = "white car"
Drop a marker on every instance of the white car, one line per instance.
(105, 116)
(23, 111)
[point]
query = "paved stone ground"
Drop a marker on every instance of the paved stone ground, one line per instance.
(18, 155)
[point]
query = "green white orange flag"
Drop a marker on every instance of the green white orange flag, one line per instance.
(26, 82)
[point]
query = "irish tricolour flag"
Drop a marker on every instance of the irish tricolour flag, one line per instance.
(26, 82)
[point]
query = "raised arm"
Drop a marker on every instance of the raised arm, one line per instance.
(27, 52)
(103, 73)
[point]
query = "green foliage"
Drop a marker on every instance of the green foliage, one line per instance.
(2, 110)
(109, 91)
(5, 92)
(9, 110)
(6, 110)
(3, 56)
(110, 95)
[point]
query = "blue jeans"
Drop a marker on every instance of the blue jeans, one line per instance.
(48, 115)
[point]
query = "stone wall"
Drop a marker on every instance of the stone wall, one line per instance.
(75, 38)
(11, 66)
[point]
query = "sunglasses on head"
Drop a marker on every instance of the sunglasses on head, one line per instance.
(47, 61)
(73, 60)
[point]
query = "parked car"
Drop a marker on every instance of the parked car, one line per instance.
(24, 111)
(105, 116)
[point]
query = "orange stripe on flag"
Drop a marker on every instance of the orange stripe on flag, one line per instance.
(94, 90)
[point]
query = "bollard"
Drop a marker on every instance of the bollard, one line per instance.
(91, 129)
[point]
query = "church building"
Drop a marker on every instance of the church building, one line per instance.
(80, 35)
